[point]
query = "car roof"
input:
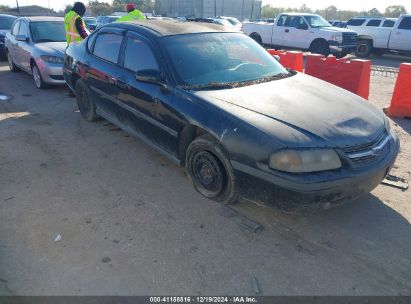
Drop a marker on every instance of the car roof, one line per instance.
(171, 28)
(5, 15)
(42, 18)
(298, 14)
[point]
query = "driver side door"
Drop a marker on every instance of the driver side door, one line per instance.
(298, 30)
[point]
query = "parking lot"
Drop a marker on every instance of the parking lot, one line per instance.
(88, 210)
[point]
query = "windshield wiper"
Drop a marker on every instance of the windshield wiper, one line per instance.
(231, 85)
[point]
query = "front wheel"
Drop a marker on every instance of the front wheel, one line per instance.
(364, 48)
(210, 170)
(320, 47)
(38, 80)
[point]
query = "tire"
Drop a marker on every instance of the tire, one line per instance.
(364, 48)
(85, 104)
(340, 55)
(320, 47)
(210, 171)
(256, 38)
(37, 79)
(12, 66)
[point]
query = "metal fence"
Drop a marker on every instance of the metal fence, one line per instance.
(383, 71)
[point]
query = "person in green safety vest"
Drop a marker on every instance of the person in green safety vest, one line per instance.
(133, 14)
(76, 29)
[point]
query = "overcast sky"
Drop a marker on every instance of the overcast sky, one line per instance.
(345, 4)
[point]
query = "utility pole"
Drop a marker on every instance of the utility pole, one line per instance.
(48, 1)
(252, 11)
(215, 8)
(242, 12)
(18, 7)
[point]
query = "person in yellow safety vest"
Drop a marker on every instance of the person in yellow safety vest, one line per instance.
(74, 24)
(133, 14)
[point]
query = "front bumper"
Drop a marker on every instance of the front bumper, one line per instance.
(51, 73)
(336, 48)
(302, 193)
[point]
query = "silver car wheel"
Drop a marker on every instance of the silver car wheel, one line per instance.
(37, 77)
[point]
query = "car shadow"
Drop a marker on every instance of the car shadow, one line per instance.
(367, 232)
(404, 123)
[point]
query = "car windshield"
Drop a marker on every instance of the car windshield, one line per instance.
(112, 19)
(48, 31)
(317, 21)
(220, 60)
(6, 22)
(89, 21)
(233, 21)
(223, 22)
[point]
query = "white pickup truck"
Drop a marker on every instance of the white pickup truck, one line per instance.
(304, 32)
(380, 35)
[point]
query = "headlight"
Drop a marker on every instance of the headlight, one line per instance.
(52, 59)
(337, 38)
(300, 161)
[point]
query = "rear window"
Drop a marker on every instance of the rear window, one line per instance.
(356, 22)
(6, 22)
(107, 46)
(374, 22)
(388, 23)
(405, 24)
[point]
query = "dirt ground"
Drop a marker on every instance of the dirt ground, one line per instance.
(88, 210)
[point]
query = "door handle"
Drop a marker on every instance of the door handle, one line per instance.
(122, 84)
(287, 31)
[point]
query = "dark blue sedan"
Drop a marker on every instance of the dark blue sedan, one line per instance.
(6, 21)
(243, 126)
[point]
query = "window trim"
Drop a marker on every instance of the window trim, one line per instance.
(27, 26)
(18, 21)
(131, 35)
(114, 32)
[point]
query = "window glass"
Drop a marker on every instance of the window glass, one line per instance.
(107, 46)
(388, 23)
(317, 21)
(24, 29)
(90, 41)
(15, 30)
(138, 56)
(6, 22)
(48, 31)
(356, 22)
(405, 24)
(374, 22)
(281, 21)
(296, 21)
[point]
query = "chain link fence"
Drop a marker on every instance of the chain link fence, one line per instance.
(383, 71)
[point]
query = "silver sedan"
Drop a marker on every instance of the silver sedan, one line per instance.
(36, 45)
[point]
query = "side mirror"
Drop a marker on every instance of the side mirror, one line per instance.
(22, 38)
(149, 76)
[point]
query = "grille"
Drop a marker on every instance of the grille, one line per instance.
(57, 77)
(350, 38)
(369, 153)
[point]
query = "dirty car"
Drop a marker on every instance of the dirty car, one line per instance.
(243, 126)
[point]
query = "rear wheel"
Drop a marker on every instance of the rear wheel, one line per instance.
(85, 104)
(210, 170)
(12, 66)
(320, 47)
(364, 48)
(38, 80)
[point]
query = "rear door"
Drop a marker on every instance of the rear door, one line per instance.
(102, 69)
(401, 36)
(147, 104)
(279, 31)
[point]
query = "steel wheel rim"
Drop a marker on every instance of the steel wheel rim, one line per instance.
(36, 76)
(362, 49)
(207, 174)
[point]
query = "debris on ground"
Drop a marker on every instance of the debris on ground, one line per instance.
(243, 221)
(256, 286)
(57, 238)
(396, 182)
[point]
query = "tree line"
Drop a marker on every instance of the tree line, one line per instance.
(333, 13)
(97, 8)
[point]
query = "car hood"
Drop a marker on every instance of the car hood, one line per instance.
(302, 111)
(51, 48)
(334, 29)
